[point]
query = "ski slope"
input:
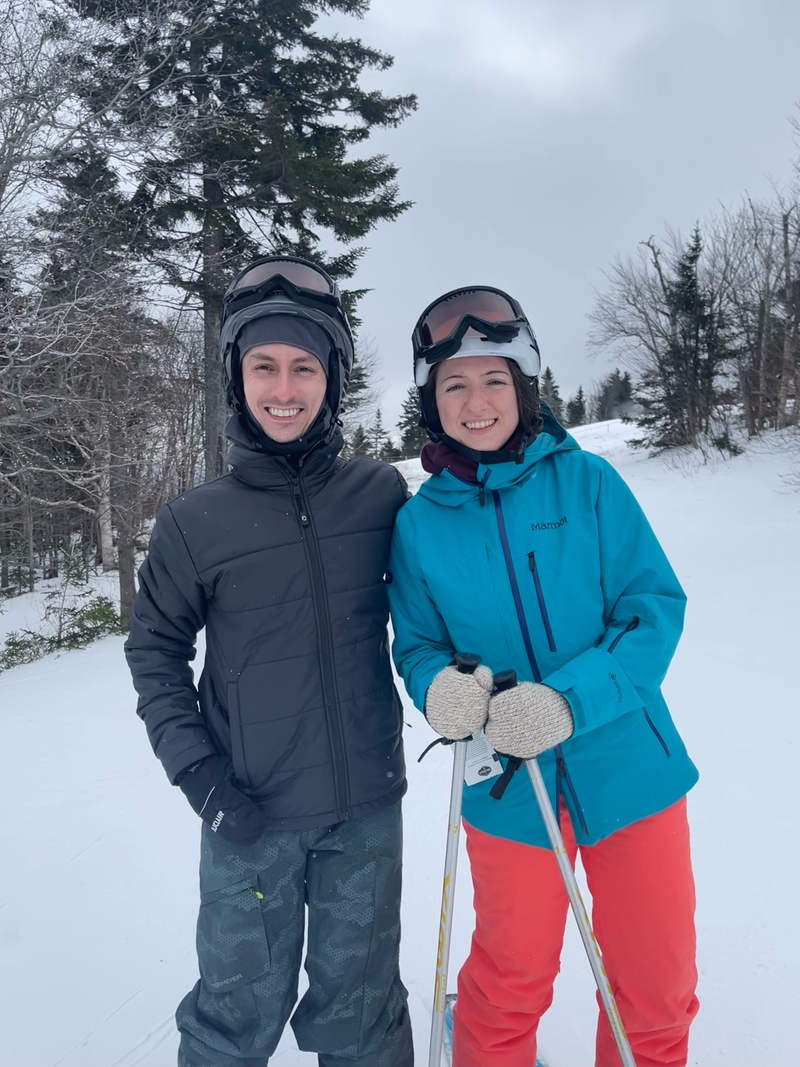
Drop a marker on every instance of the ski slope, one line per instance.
(98, 894)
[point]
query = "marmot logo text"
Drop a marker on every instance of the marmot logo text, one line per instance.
(548, 525)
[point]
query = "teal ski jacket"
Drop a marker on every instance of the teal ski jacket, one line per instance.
(550, 567)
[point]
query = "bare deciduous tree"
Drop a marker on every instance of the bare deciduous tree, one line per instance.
(664, 317)
(43, 110)
(753, 259)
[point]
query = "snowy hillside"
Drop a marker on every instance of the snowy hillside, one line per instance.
(98, 895)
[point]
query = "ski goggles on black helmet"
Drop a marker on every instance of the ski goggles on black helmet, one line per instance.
(303, 282)
(479, 321)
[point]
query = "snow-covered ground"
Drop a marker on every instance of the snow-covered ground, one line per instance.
(25, 612)
(98, 893)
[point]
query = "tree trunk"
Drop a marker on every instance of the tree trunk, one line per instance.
(783, 415)
(28, 526)
(105, 513)
(104, 517)
(747, 398)
(5, 556)
(127, 566)
(763, 356)
(214, 442)
(125, 495)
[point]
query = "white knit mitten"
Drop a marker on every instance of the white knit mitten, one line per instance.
(527, 719)
(456, 704)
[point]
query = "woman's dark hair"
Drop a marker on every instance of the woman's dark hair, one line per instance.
(527, 390)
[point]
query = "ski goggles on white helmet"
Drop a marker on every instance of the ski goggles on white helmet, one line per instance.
(479, 321)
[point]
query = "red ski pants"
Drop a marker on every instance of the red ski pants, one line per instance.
(643, 901)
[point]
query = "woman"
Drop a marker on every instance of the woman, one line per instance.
(536, 556)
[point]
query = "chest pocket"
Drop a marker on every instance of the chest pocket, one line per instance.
(559, 564)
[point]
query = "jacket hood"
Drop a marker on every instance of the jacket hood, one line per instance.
(446, 488)
(264, 470)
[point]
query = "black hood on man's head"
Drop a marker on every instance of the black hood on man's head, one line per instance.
(251, 435)
(284, 330)
(250, 446)
(327, 338)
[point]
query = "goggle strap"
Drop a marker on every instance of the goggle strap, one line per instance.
(494, 332)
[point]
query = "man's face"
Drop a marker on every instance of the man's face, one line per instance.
(284, 388)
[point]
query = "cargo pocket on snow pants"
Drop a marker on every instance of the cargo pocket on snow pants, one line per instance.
(232, 946)
(233, 952)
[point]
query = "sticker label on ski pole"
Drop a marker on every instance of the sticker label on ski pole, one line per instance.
(482, 761)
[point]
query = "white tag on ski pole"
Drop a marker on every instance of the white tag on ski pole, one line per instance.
(482, 761)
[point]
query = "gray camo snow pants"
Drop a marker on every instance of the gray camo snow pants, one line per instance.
(250, 944)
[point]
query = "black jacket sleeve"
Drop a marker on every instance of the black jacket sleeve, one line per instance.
(406, 495)
(169, 610)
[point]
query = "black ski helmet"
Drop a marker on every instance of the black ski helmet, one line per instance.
(287, 285)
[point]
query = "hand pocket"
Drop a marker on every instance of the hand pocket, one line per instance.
(232, 946)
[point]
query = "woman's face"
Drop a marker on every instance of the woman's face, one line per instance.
(477, 401)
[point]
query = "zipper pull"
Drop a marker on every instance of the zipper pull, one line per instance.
(532, 562)
(561, 766)
(482, 488)
(301, 511)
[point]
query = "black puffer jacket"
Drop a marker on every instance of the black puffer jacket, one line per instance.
(285, 570)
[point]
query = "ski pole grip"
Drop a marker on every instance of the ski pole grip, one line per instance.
(505, 680)
(466, 662)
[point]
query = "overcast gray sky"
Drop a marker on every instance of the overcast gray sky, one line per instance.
(551, 136)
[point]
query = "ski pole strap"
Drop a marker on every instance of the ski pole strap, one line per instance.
(511, 768)
(502, 681)
(442, 741)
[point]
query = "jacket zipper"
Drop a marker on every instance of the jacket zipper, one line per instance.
(320, 601)
(542, 606)
(654, 728)
(563, 772)
(523, 623)
(631, 626)
(561, 763)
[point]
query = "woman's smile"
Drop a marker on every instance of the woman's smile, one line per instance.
(477, 401)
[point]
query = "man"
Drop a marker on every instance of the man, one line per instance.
(294, 758)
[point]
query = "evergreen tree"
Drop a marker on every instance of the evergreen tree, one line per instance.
(359, 443)
(390, 453)
(677, 394)
(377, 436)
(252, 119)
(549, 393)
(613, 397)
(412, 436)
(576, 409)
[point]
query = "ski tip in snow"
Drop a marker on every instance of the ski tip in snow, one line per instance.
(450, 1000)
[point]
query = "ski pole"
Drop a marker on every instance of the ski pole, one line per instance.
(507, 680)
(466, 664)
